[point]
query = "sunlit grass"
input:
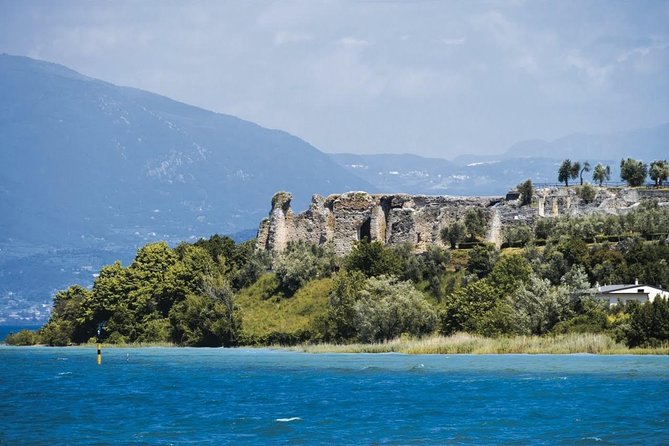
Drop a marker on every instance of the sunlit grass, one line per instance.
(463, 343)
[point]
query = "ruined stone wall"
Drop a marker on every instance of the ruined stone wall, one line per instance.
(346, 218)
(343, 219)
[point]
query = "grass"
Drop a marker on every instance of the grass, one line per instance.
(463, 343)
(265, 314)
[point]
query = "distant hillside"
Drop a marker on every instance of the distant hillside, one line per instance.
(87, 164)
(645, 144)
(494, 174)
(417, 175)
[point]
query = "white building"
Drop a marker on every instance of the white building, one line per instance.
(615, 294)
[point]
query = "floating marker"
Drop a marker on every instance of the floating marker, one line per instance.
(99, 354)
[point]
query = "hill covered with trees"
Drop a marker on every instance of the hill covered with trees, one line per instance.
(215, 292)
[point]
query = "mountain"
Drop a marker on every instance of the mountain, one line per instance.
(536, 159)
(646, 144)
(433, 176)
(88, 165)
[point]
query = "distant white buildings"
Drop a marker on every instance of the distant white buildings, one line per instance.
(616, 294)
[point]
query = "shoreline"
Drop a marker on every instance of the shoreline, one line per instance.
(460, 343)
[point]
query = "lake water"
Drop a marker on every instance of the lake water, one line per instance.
(244, 396)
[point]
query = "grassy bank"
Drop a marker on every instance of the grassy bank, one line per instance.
(471, 344)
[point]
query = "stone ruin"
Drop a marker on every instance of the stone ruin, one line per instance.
(344, 219)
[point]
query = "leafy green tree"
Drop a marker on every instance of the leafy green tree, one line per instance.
(633, 172)
(587, 193)
(585, 168)
(526, 192)
(431, 266)
(295, 266)
(568, 170)
(453, 234)
(477, 308)
(538, 306)
(387, 308)
(372, 259)
(601, 173)
(519, 235)
(341, 323)
(482, 259)
(659, 172)
(23, 338)
(476, 222)
(509, 272)
(649, 324)
(200, 321)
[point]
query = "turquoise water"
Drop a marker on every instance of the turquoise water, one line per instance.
(7, 329)
(239, 396)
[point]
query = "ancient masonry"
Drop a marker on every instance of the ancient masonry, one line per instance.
(344, 219)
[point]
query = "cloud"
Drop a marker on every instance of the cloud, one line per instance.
(353, 42)
(642, 51)
(453, 41)
(596, 73)
(291, 37)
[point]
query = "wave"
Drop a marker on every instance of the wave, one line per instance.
(288, 420)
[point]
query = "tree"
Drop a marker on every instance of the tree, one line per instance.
(341, 312)
(453, 234)
(538, 306)
(526, 191)
(387, 308)
(649, 324)
(482, 259)
(659, 172)
(587, 193)
(475, 222)
(633, 172)
(295, 266)
(519, 235)
(585, 168)
(601, 173)
(568, 170)
(373, 259)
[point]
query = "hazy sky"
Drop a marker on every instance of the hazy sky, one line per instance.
(437, 78)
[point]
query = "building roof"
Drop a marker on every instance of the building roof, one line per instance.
(620, 287)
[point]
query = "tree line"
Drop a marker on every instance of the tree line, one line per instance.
(190, 294)
(632, 171)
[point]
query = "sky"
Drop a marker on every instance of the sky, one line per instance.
(434, 78)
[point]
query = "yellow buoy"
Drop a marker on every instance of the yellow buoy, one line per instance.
(99, 355)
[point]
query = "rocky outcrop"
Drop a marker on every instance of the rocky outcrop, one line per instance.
(343, 219)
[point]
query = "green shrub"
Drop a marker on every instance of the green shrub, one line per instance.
(23, 337)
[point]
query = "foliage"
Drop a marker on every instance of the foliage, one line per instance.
(372, 259)
(659, 172)
(482, 259)
(538, 306)
(601, 173)
(273, 319)
(341, 323)
(475, 309)
(526, 192)
(453, 234)
(23, 338)
(300, 263)
(386, 308)
(475, 222)
(519, 235)
(633, 172)
(568, 170)
(649, 324)
(587, 193)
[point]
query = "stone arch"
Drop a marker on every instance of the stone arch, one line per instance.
(365, 229)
